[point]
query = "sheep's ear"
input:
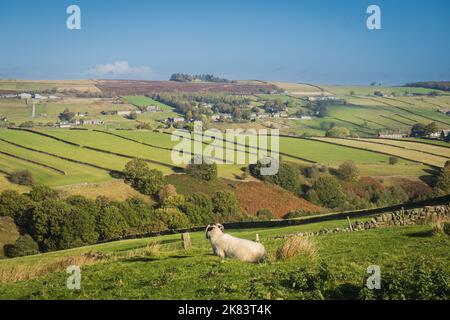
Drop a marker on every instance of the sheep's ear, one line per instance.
(208, 228)
(220, 226)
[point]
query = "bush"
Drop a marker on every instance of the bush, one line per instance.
(443, 182)
(264, 214)
(295, 245)
(43, 193)
(338, 132)
(225, 205)
(23, 177)
(24, 246)
(140, 177)
(393, 160)
(199, 209)
(348, 171)
(203, 170)
(173, 218)
(295, 214)
(311, 172)
(329, 192)
(287, 176)
(166, 191)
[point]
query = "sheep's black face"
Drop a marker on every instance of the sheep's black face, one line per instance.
(213, 228)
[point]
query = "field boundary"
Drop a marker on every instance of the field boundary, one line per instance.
(402, 147)
(444, 200)
(34, 162)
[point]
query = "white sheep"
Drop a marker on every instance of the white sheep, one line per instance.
(227, 246)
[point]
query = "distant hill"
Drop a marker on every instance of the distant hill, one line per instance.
(437, 85)
(184, 77)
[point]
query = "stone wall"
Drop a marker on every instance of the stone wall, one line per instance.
(396, 218)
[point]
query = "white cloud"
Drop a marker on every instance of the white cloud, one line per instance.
(122, 69)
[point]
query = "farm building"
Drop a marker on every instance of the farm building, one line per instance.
(153, 109)
(391, 135)
(91, 122)
(24, 96)
(176, 120)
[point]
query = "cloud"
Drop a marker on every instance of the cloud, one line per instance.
(122, 69)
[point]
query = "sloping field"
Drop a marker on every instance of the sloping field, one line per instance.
(301, 89)
(127, 273)
(431, 149)
(41, 85)
(365, 90)
(143, 101)
(61, 172)
(430, 141)
(412, 155)
(135, 87)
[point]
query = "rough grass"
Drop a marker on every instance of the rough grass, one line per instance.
(175, 274)
(8, 233)
(296, 245)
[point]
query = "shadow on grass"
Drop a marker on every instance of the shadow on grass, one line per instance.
(143, 259)
(420, 234)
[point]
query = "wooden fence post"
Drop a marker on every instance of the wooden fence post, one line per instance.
(349, 223)
(186, 237)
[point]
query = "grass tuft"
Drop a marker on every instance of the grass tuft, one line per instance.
(296, 245)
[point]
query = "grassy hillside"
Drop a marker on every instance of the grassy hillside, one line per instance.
(126, 272)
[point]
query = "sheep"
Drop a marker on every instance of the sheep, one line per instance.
(227, 246)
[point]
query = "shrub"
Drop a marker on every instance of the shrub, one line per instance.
(24, 246)
(199, 209)
(348, 171)
(311, 172)
(176, 201)
(173, 218)
(264, 214)
(443, 182)
(166, 191)
(329, 192)
(393, 160)
(43, 193)
(140, 177)
(23, 177)
(295, 214)
(338, 132)
(440, 225)
(203, 170)
(295, 245)
(287, 176)
(225, 205)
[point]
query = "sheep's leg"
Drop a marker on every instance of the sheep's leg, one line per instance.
(220, 253)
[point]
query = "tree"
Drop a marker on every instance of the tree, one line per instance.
(431, 128)
(66, 115)
(225, 205)
(203, 170)
(264, 214)
(419, 130)
(16, 206)
(48, 220)
(111, 224)
(23, 177)
(43, 193)
(24, 246)
(140, 177)
(329, 191)
(137, 213)
(199, 209)
(443, 181)
(287, 176)
(173, 218)
(348, 171)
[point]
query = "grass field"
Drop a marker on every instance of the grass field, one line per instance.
(412, 155)
(41, 85)
(127, 273)
(416, 146)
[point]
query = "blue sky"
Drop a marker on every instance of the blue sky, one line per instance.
(319, 41)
